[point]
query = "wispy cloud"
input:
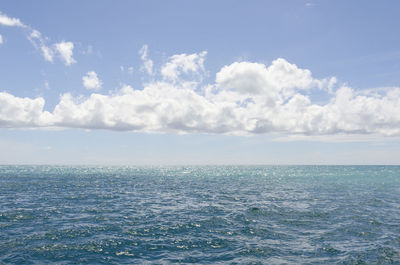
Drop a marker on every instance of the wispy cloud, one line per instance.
(128, 69)
(10, 22)
(39, 42)
(63, 49)
(147, 63)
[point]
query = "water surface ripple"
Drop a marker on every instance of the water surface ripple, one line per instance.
(205, 215)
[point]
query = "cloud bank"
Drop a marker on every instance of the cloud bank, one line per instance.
(246, 98)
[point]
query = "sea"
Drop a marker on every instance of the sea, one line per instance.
(200, 215)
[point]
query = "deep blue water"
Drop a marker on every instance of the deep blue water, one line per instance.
(206, 215)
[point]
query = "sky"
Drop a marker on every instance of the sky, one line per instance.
(199, 82)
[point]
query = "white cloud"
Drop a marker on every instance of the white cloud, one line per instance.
(65, 50)
(255, 78)
(35, 37)
(10, 22)
(47, 53)
(247, 98)
(1, 39)
(91, 81)
(183, 64)
(147, 63)
(22, 112)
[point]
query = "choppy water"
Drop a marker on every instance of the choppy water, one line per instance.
(206, 215)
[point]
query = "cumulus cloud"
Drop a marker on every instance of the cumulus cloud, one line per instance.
(183, 64)
(1, 39)
(91, 81)
(147, 63)
(246, 98)
(18, 112)
(10, 22)
(65, 50)
(281, 77)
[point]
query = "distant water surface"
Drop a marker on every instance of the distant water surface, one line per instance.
(205, 215)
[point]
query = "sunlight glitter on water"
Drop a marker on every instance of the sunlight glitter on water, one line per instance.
(272, 214)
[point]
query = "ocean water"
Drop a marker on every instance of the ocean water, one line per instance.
(203, 215)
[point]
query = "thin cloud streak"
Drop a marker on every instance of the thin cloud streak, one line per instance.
(63, 49)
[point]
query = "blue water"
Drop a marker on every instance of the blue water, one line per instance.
(205, 215)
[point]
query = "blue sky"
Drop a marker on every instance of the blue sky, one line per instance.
(199, 82)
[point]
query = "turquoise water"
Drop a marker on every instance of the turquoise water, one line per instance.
(206, 215)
